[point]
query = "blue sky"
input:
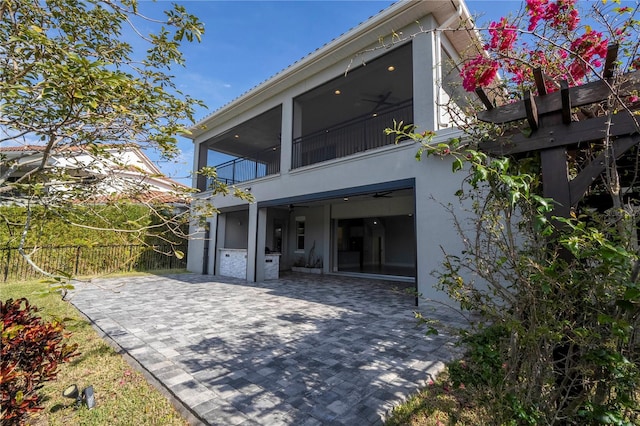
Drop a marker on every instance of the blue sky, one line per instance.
(246, 42)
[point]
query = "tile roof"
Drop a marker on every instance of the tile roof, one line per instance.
(155, 197)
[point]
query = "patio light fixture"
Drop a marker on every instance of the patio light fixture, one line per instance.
(85, 397)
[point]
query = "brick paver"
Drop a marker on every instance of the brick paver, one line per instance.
(301, 350)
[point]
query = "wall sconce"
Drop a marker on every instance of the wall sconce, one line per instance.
(85, 397)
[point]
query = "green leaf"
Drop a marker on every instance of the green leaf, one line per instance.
(605, 319)
(457, 165)
(632, 294)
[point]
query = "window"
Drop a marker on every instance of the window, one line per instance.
(300, 222)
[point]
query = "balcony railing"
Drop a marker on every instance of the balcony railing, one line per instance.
(360, 134)
(260, 164)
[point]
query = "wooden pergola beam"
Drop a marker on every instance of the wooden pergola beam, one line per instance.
(581, 183)
(565, 97)
(539, 79)
(548, 137)
(579, 96)
(532, 110)
(610, 61)
(484, 98)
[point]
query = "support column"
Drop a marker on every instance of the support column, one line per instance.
(213, 245)
(296, 129)
(261, 243)
(195, 248)
(256, 243)
(425, 51)
(326, 236)
(286, 138)
(220, 237)
(200, 152)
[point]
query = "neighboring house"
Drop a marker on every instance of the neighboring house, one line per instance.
(117, 171)
(331, 189)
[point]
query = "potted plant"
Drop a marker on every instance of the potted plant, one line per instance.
(311, 265)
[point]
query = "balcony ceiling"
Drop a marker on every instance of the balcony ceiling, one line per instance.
(365, 89)
(253, 136)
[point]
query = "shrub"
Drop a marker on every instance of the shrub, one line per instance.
(32, 350)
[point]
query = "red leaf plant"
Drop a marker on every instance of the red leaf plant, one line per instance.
(32, 351)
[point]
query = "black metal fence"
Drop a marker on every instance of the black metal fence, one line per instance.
(79, 260)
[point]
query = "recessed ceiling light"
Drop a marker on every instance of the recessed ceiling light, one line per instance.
(346, 198)
(236, 136)
(337, 92)
(391, 68)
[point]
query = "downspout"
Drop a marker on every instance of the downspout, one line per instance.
(438, 70)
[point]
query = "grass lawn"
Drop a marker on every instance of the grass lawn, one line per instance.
(123, 397)
(439, 404)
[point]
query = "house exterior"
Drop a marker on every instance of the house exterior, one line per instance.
(332, 191)
(118, 171)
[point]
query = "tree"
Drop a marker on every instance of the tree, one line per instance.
(69, 84)
(554, 279)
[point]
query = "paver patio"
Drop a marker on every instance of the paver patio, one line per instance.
(301, 350)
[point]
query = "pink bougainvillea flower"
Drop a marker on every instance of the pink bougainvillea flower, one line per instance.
(561, 13)
(503, 35)
(587, 48)
(479, 72)
(536, 10)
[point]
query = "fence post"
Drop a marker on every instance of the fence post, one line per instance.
(233, 173)
(77, 259)
(6, 268)
(131, 258)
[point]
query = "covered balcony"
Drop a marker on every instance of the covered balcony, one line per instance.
(248, 151)
(360, 134)
(341, 117)
(260, 164)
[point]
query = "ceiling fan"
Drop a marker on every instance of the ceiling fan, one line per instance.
(385, 194)
(292, 207)
(380, 101)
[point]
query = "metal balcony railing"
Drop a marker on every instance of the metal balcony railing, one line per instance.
(260, 164)
(357, 135)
